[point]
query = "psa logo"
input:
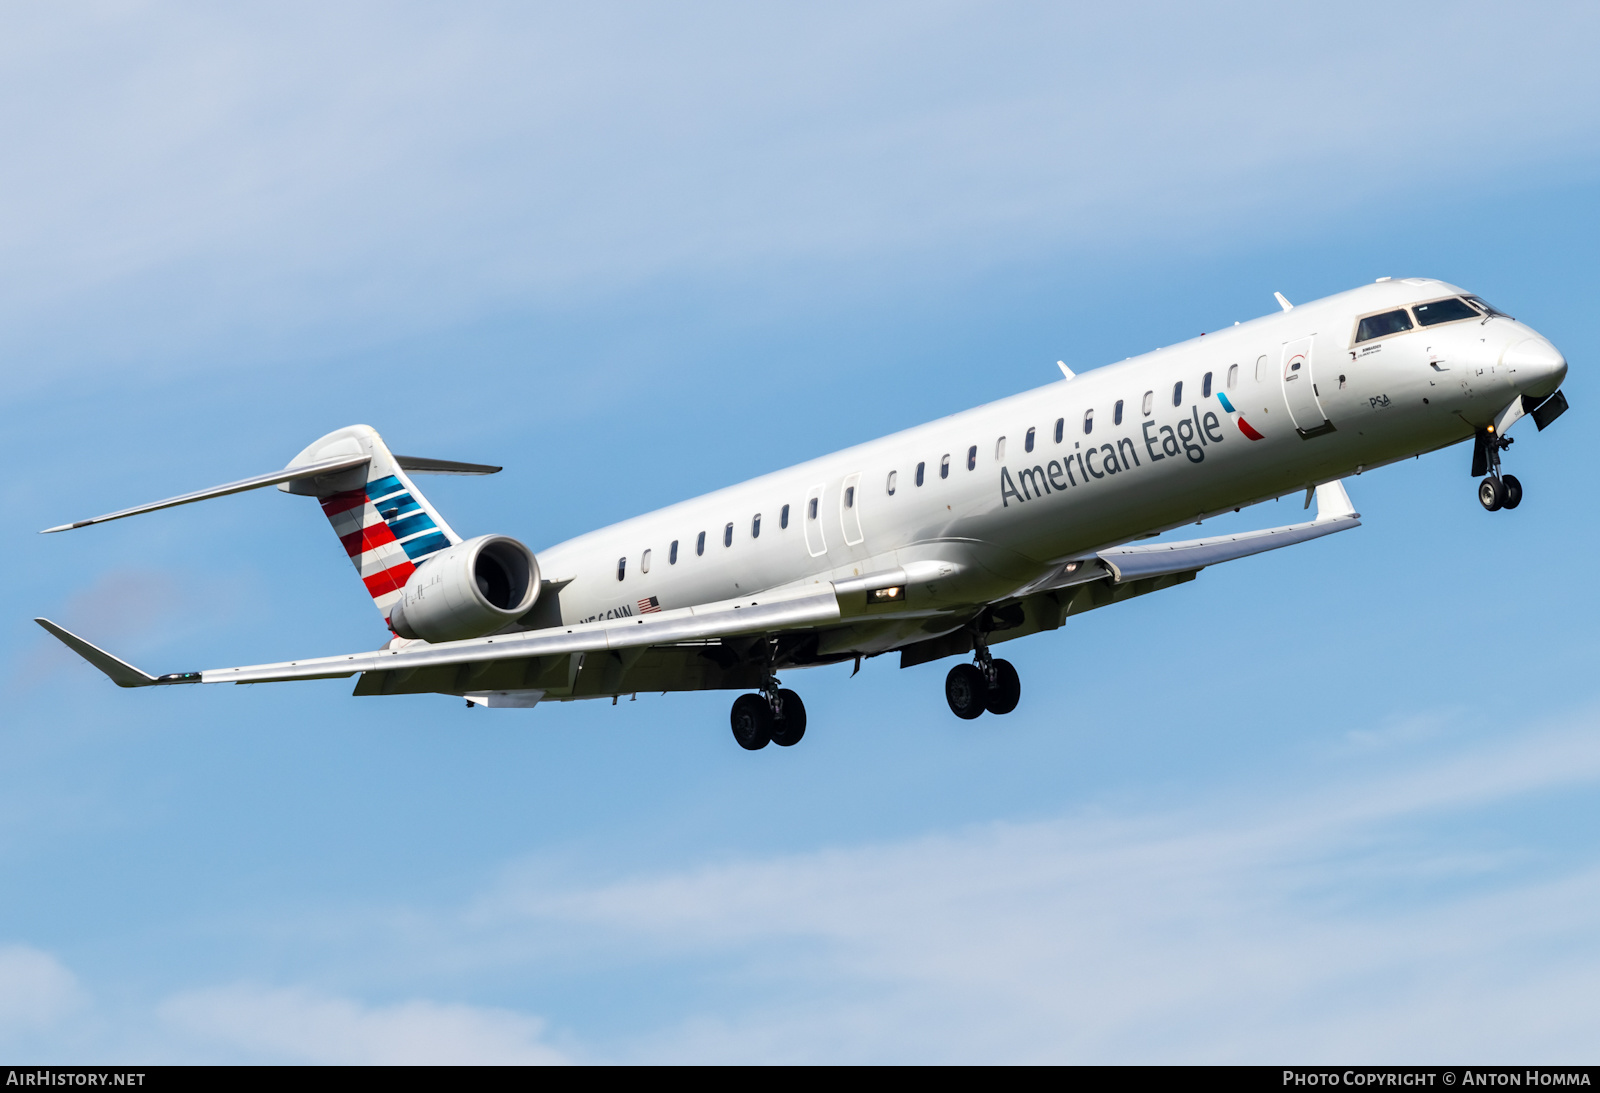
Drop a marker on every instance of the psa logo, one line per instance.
(1238, 418)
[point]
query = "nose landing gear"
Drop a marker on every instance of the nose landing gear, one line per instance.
(987, 684)
(1497, 491)
(1504, 492)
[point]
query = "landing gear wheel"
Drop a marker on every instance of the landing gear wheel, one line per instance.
(1513, 490)
(966, 690)
(752, 722)
(1492, 494)
(790, 726)
(1007, 689)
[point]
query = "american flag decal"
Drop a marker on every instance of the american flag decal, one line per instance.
(647, 606)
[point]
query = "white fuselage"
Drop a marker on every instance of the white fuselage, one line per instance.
(1003, 514)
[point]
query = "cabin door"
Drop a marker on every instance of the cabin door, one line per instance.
(850, 510)
(811, 520)
(1300, 390)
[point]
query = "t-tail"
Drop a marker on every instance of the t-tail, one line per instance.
(382, 520)
(385, 524)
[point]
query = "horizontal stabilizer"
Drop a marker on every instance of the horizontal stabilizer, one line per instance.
(121, 672)
(417, 465)
(288, 474)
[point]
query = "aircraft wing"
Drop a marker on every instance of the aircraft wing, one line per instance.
(688, 625)
(1131, 563)
(1334, 513)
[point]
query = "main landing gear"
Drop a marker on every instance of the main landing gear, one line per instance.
(775, 716)
(1497, 491)
(986, 684)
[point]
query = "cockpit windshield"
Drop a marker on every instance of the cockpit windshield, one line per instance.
(1378, 326)
(1445, 311)
(1488, 309)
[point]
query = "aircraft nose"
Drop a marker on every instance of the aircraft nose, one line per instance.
(1539, 365)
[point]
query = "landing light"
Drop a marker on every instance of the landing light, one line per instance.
(887, 595)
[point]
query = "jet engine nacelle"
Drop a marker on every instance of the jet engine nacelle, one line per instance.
(467, 591)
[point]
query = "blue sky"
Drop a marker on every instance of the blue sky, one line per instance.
(1333, 803)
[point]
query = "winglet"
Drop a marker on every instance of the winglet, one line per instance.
(1283, 303)
(1333, 503)
(1065, 371)
(121, 672)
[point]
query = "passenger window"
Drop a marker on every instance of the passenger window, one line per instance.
(1261, 369)
(1027, 442)
(850, 498)
(1116, 413)
(622, 567)
(920, 467)
(644, 562)
(813, 512)
(894, 476)
(700, 544)
(1149, 402)
(999, 449)
(1061, 428)
(1233, 376)
(1205, 386)
(1445, 311)
(755, 526)
(944, 467)
(972, 458)
(727, 536)
(1088, 422)
(1177, 393)
(672, 553)
(1378, 326)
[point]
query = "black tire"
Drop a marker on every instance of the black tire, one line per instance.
(1007, 689)
(1513, 490)
(966, 690)
(1491, 494)
(791, 726)
(752, 722)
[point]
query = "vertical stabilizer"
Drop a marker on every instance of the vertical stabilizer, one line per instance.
(384, 523)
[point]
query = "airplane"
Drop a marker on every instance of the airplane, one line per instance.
(939, 541)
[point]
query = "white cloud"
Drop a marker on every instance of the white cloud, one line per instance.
(297, 1025)
(36, 991)
(1387, 918)
(178, 170)
(1319, 925)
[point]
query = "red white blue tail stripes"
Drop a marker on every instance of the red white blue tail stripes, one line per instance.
(387, 534)
(386, 527)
